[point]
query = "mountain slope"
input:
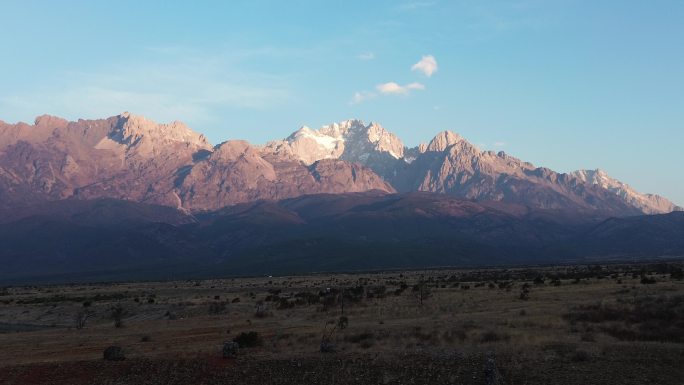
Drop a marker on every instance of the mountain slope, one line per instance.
(133, 158)
(324, 232)
(647, 203)
(449, 164)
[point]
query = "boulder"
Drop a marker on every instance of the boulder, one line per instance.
(230, 349)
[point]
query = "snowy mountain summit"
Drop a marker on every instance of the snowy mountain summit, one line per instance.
(350, 140)
(451, 165)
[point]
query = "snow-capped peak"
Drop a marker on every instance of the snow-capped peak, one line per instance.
(648, 203)
(350, 140)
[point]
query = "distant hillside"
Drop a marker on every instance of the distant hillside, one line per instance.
(117, 240)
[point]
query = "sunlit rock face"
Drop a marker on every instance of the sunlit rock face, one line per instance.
(134, 158)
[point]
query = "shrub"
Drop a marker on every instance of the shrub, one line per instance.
(492, 336)
(306, 297)
(376, 292)
(677, 273)
(113, 353)
(579, 356)
(343, 322)
(260, 310)
(283, 304)
(647, 318)
(647, 280)
(217, 307)
(117, 312)
(357, 338)
(248, 340)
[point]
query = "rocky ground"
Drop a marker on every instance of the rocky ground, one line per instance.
(618, 324)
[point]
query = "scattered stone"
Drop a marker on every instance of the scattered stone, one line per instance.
(491, 372)
(328, 347)
(230, 349)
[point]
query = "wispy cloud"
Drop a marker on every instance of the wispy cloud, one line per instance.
(389, 88)
(172, 86)
(499, 144)
(362, 96)
(412, 5)
(427, 65)
(366, 56)
(394, 88)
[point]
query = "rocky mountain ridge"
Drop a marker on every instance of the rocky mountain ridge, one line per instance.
(133, 158)
(450, 164)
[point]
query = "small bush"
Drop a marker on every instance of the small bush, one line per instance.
(283, 304)
(357, 338)
(113, 353)
(677, 274)
(217, 307)
(248, 340)
(492, 336)
(342, 322)
(579, 356)
(261, 311)
(117, 312)
(647, 318)
(647, 280)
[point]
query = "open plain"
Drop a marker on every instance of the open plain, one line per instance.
(609, 324)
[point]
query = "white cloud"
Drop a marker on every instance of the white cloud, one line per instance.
(389, 88)
(362, 96)
(415, 86)
(394, 88)
(427, 65)
(499, 144)
(366, 56)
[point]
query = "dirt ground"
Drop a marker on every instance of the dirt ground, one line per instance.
(611, 324)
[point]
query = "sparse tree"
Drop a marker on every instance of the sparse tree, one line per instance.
(82, 316)
(343, 322)
(117, 313)
(422, 291)
(327, 345)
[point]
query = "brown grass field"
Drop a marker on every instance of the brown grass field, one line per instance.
(610, 324)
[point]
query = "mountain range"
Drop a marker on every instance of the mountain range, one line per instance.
(133, 158)
(128, 198)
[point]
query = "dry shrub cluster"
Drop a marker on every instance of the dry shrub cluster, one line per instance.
(647, 318)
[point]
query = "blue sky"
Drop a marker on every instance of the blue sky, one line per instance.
(565, 84)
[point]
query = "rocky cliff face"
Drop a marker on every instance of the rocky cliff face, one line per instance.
(237, 172)
(449, 164)
(646, 203)
(133, 158)
(124, 157)
(351, 140)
